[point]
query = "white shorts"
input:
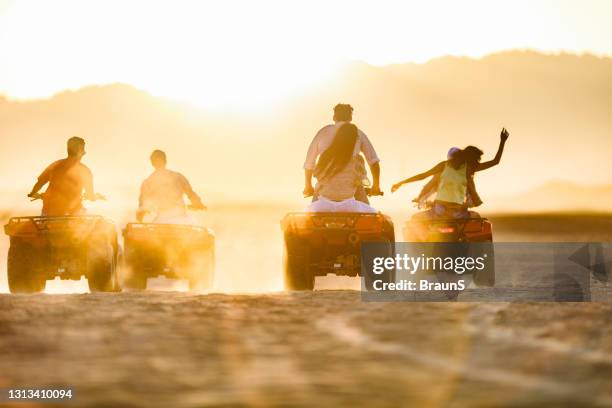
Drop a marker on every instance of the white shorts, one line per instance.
(349, 205)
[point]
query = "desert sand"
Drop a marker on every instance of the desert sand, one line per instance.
(168, 348)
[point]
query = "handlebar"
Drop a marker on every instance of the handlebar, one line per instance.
(39, 196)
(369, 193)
(200, 207)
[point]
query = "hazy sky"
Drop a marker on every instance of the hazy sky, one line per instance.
(219, 53)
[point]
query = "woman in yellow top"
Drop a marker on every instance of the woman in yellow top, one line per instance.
(455, 174)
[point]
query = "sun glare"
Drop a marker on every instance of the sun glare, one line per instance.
(181, 52)
(241, 53)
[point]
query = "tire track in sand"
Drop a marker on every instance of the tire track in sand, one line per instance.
(480, 322)
(341, 329)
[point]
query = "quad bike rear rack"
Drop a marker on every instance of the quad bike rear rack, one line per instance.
(167, 228)
(41, 223)
(449, 220)
(329, 220)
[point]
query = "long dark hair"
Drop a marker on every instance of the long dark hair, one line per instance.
(339, 153)
(471, 156)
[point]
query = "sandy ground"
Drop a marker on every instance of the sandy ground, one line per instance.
(327, 348)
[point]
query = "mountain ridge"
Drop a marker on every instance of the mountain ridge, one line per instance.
(556, 107)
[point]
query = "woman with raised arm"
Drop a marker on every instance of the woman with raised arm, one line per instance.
(455, 174)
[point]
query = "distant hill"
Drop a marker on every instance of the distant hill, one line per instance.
(557, 195)
(557, 108)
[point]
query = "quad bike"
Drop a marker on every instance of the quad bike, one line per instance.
(69, 247)
(317, 244)
(171, 250)
(471, 236)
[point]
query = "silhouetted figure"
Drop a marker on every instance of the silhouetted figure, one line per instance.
(472, 198)
(68, 178)
(340, 175)
(343, 113)
(455, 175)
(162, 193)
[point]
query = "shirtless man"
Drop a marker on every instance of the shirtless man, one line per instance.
(68, 178)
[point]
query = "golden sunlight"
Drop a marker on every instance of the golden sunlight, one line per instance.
(237, 54)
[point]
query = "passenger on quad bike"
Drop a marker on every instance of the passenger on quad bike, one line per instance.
(343, 113)
(454, 176)
(67, 179)
(162, 193)
(340, 174)
(472, 197)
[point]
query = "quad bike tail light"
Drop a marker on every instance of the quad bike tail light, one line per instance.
(446, 229)
(302, 221)
(369, 223)
(473, 226)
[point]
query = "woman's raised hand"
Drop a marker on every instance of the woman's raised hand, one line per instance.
(504, 135)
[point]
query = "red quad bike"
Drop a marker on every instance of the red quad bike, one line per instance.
(69, 247)
(170, 250)
(472, 236)
(317, 244)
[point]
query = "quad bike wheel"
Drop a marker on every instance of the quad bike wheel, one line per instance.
(23, 269)
(134, 277)
(486, 277)
(101, 264)
(387, 276)
(136, 280)
(295, 264)
(202, 271)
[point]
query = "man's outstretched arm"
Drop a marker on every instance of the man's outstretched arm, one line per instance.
(142, 210)
(310, 163)
(375, 170)
(196, 201)
(373, 161)
(89, 187)
(39, 184)
(308, 188)
(43, 179)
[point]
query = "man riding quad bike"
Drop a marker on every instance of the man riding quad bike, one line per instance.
(172, 244)
(63, 241)
(322, 243)
(327, 237)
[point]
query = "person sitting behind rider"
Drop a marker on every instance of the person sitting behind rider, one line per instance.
(162, 193)
(454, 178)
(343, 113)
(472, 197)
(67, 179)
(340, 174)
